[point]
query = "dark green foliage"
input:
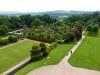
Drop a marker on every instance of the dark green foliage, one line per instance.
(18, 22)
(4, 41)
(46, 28)
(37, 22)
(47, 19)
(15, 22)
(4, 29)
(36, 53)
(77, 33)
(44, 49)
(93, 29)
(78, 26)
(96, 28)
(69, 37)
(41, 37)
(26, 20)
(12, 39)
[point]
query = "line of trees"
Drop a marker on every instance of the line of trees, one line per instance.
(10, 39)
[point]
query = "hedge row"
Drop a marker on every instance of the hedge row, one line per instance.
(52, 46)
(41, 37)
(10, 39)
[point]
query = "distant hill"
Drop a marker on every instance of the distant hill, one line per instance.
(58, 13)
(10, 13)
(55, 13)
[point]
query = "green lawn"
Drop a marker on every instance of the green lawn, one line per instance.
(88, 54)
(13, 54)
(55, 56)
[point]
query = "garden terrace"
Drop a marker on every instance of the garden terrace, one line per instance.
(15, 53)
(55, 56)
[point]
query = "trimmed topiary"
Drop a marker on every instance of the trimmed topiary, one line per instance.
(12, 39)
(44, 49)
(36, 53)
(3, 41)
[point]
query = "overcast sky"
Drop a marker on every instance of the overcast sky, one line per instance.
(48, 5)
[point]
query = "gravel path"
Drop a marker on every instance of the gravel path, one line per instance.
(64, 68)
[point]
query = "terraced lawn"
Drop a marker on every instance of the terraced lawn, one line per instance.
(12, 55)
(55, 55)
(88, 54)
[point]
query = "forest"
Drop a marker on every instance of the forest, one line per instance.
(49, 29)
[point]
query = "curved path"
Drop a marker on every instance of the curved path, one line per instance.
(64, 68)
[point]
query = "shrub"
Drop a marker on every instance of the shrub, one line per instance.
(44, 49)
(36, 53)
(69, 37)
(78, 26)
(12, 39)
(41, 37)
(93, 29)
(77, 33)
(3, 41)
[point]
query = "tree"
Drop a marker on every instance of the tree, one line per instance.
(69, 37)
(15, 22)
(4, 29)
(96, 28)
(26, 20)
(47, 19)
(77, 33)
(93, 29)
(37, 22)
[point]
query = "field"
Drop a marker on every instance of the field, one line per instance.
(88, 54)
(12, 55)
(55, 56)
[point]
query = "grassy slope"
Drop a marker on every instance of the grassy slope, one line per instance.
(55, 56)
(88, 54)
(13, 54)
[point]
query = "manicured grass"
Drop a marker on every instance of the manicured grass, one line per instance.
(6, 37)
(88, 54)
(55, 57)
(12, 55)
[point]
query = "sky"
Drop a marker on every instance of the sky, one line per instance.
(49, 5)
